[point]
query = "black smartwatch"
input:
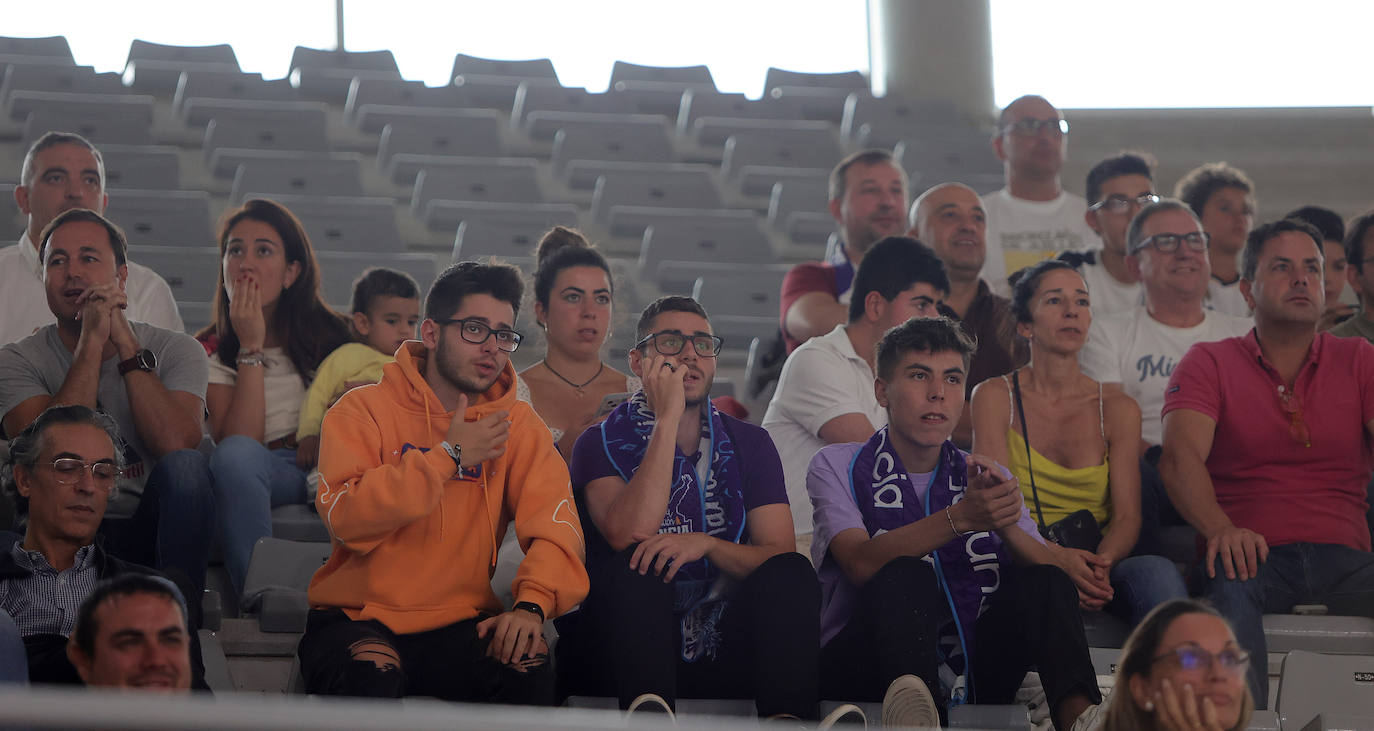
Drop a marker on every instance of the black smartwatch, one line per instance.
(143, 360)
(530, 607)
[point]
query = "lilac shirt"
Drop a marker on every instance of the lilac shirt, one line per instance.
(832, 500)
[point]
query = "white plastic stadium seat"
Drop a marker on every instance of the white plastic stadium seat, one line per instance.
(753, 159)
(179, 218)
(142, 167)
(632, 138)
(798, 209)
(409, 140)
(297, 173)
(344, 223)
(370, 99)
(492, 180)
(190, 271)
(659, 186)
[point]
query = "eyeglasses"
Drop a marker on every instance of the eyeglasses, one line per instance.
(672, 343)
(1192, 657)
(1031, 127)
(69, 471)
(1121, 204)
(476, 332)
(1297, 425)
(1168, 243)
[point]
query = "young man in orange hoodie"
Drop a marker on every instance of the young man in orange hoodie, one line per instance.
(419, 476)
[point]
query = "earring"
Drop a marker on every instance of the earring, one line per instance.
(1149, 706)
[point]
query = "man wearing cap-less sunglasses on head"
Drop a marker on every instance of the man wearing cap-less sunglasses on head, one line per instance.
(1266, 448)
(697, 589)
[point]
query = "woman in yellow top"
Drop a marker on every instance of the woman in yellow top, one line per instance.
(1083, 450)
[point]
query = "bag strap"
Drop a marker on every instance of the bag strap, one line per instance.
(1025, 436)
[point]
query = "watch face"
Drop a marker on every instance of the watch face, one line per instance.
(146, 360)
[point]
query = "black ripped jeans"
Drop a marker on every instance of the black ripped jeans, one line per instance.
(448, 663)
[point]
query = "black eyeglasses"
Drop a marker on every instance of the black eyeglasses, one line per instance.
(476, 332)
(672, 343)
(69, 471)
(1192, 657)
(1121, 204)
(1168, 243)
(1032, 127)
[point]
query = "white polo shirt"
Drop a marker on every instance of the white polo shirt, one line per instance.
(822, 379)
(26, 302)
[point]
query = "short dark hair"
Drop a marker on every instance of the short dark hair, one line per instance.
(26, 446)
(1124, 163)
(1133, 231)
(1354, 240)
(839, 176)
(1197, 185)
(1327, 221)
(377, 282)
(563, 248)
(891, 267)
(671, 303)
(1029, 282)
(52, 139)
(1261, 234)
(923, 334)
(119, 243)
(501, 281)
(121, 585)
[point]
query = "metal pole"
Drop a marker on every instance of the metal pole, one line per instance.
(338, 25)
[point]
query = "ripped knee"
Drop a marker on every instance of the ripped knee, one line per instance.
(379, 653)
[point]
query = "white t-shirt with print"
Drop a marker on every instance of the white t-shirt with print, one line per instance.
(1022, 232)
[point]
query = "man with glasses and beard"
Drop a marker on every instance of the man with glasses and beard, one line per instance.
(419, 476)
(1266, 448)
(697, 589)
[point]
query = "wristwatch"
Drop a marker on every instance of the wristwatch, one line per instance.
(143, 360)
(530, 607)
(454, 451)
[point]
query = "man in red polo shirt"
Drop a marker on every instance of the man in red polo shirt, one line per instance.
(1267, 449)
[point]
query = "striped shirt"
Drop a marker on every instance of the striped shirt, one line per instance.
(46, 601)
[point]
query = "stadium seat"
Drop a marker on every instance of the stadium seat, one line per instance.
(697, 104)
(196, 315)
(490, 180)
(464, 64)
(202, 84)
(217, 674)
(304, 57)
(160, 78)
(628, 138)
(949, 155)
(412, 138)
(331, 85)
(222, 54)
(539, 110)
(58, 78)
(339, 223)
(191, 271)
(653, 97)
(871, 121)
(510, 232)
(123, 126)
(743, 302)
(296, 173)
(494, 91)
(53, 46)
(141, 167)
(175, 218)
(281, 566)
(235, 126)
(1329, 685)
(338, 269)
(815, 104)
(1334, 635)
(104, 107)
(12, 222)
(845, 80)
(365, 94)
(799, 209)
(448, 215)
(683, 75)
(695, 238)
(757, 160)
(660, 186)
(716, 131)
(327, 75)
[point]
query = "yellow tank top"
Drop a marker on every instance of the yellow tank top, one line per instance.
(1062, 491)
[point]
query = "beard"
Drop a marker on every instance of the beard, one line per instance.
(450, 368)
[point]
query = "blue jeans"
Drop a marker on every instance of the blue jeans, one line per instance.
(1142, 583)
(171, 527)
(249, 482)
(14, 661)
(1298, 573)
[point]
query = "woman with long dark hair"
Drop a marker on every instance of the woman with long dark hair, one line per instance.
(270, 331)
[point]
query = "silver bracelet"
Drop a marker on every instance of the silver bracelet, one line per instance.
(254, 358)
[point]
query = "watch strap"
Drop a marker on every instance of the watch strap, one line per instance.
(530, 607)
(139, 362)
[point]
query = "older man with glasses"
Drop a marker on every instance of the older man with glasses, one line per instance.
(697, 589)
(1266, 448)
(1033, 217)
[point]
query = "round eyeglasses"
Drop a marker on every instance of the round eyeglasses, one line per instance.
(476, 332)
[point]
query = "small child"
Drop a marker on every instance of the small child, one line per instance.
(386, 307)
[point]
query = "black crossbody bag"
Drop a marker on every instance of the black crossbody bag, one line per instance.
(1078, 529)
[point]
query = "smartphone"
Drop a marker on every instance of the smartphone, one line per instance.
(609, 402)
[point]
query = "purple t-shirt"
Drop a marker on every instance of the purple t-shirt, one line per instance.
(834, 511)
(761, 480)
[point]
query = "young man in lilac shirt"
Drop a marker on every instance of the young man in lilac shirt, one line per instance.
(927, 557)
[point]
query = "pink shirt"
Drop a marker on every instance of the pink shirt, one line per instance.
(1265, 479)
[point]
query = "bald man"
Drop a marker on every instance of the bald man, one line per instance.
(950, 218)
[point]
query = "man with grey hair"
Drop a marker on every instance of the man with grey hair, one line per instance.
(1033, 217)
(62, 171)
(1138, 348)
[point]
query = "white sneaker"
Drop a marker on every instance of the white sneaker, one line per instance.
(908, 703)
(1091, 718)
(847, 714)
(651, 703)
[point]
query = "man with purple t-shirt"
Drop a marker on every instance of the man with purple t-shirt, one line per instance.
(1266, 449)
(934, 580)
(696, 586)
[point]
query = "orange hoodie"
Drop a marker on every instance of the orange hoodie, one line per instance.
(414, 544)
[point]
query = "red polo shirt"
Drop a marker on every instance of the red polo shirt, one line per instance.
(1265, 479)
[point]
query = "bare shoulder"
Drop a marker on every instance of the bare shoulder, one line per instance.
(992, 388)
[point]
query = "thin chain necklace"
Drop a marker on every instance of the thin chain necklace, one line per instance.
(576, 386)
